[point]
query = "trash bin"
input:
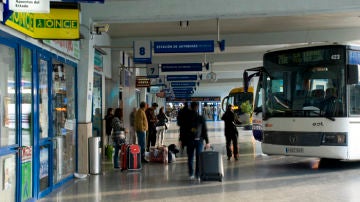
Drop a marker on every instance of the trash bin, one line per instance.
(94, 155)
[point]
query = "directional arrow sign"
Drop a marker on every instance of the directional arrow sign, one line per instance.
(181, 67)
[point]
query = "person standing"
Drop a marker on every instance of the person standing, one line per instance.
(181, 117)
(231, 133)
(118, 134)
(132, 135)
(152, 120)
(194, 137)
(161, 127)
(108, 121)
(141, 126)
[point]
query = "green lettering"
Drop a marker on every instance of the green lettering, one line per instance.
(58, 23)
(49, 24)
(67, 24)
(40, 23)
(74, 24)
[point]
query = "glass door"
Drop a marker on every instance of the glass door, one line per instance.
(9, 141)
(27, 138)
(63, 120)
(45, 141)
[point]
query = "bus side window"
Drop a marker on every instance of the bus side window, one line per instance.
(355, 99)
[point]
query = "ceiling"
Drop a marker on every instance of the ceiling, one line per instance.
(247, 39)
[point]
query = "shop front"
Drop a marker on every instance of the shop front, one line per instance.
(38, 119)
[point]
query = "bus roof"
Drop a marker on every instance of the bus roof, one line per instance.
(354, 46)
(240, 90)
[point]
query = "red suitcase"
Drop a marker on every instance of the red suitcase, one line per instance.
(159, 154)
(123, 156)
(134, 157)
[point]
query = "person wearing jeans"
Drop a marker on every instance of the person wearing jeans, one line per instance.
(194, 147)
(196, 134)
(141, 126)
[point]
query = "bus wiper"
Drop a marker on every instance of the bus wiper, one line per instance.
(330, 118)
(315, 110)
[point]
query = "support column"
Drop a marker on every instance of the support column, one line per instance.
(85, 88)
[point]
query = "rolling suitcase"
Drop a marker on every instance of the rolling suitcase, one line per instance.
(159, 154)
(133, 157)
(211, 166)
(123, 156)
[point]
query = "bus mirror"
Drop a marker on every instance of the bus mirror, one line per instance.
(352, 74)
(246, 82)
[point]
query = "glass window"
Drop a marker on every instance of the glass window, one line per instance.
(26, 97)
(355, 99)
(7, 96)
(97, 105)
(297, 90)
(8, 177)
(44, 167)
(63, 99)
(44, 99)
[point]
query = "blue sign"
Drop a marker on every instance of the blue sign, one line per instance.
(183, 46)
(183, 91)
(183, 84)
(181, 77)
(182, 95)
(152, 71)
(181, 67)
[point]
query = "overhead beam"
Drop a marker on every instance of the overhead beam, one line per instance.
(174, 10)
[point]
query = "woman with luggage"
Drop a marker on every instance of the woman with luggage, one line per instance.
(118, 134)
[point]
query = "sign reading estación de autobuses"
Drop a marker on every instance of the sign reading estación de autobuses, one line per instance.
(58, 24)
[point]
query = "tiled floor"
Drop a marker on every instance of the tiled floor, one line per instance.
(254, 177)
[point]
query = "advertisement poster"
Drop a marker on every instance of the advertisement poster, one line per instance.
(44, 162)
(26, 168)
(8, 173)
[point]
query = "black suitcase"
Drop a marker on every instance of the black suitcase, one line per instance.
(211, 166)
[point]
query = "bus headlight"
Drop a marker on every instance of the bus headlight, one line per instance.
(336, 139)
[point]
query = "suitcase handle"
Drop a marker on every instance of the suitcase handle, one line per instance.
(211, 148)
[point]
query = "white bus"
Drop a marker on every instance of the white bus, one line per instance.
(311, 102)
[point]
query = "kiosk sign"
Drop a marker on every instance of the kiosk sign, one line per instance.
(30, 6)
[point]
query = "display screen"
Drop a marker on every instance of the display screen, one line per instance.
(311, 55)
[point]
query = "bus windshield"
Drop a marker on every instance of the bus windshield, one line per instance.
(315, 89)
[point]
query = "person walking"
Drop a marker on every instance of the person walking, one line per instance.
(231, 133)
(118, 134)
(161, 127)
(180, 119)
(195, 135)
(132, 135)
(141, 126)
(152, 120)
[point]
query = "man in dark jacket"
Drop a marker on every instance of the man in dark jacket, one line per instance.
(183, 114)
(152, 120)
(194, 135)
(231, 133)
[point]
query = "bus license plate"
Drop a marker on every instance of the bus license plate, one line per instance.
(294, 150)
